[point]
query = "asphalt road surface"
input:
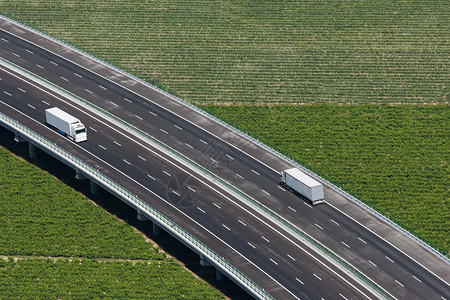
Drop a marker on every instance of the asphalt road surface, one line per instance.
(263, 251)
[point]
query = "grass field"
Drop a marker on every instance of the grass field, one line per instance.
(395, 157)
(338, 51)
(56, 244)
(263, 51)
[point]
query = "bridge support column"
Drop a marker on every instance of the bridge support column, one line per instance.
(204, 262)
(79, 175)
(18, 138)
(94, 188)
(219, 275)
(32, 150)
(156, 229)
(141, 216)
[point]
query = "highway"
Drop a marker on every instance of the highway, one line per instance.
(252, 170)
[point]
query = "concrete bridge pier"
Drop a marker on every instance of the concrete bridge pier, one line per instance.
(18, 138)
(141, 216)
(32, 151)
(79, 175)
(156, 229)
(94, 188)
(219, 275)
(204, 262)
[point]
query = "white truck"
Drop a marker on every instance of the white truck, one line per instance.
(303, 185)
(65, 124)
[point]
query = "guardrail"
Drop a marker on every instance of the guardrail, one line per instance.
(224, 184)
(366, 205)
(152, 213)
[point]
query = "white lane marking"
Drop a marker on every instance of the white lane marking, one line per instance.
(127, 162)
(342, 296)
(178, 127)
(102, 87)
(299, 280)
(29, 51)
(227, 228)
(113, 103)
(45, 102)
(292, 209)
(235, 203)
(307, 204)
(15, 54)
(345, 244)
(265, 192)
(417, 279)
(138, 117)
(78, 75)
(142, 158)
(281, 188)
(201, 209)
(88, 91)
(5, 40)
(63, 78)
(242, 223)
(273, 261)
(362, 240)
(372, 263)
(264, 238)
(52, 62)
(389, 259)
(22, 90)
(168, 174)
(151, 177)
(188, 145)
(230, 157)
(317, 276)
(320, 227)
(128, 100)
(216, 205)
(255, 172)
(443, 298)
(291, 257)
(39, 66)
(7, 93)
(229, 199)
(104, 148)
(334, 222)
(203, 142)
(31, 106)
(118, 144)
(191, 189)
(239, 176)
(163, 131)
(214, 160)
(176, 193)
(387, 242)
(251, 245)
(399, 283)
(95, 130)
(152, 113)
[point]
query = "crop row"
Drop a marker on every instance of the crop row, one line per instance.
(91, 279)
(394, 158)
(41, 216)
(264, 51)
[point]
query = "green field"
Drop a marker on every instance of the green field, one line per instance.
(271, 52)
(263, 51)
(60, 245)
(395, 157)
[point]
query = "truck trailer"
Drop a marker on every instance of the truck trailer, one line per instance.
(65, 124)
(303, 185)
